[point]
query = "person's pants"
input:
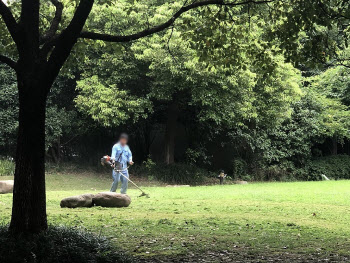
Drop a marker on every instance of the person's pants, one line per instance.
(118, 177)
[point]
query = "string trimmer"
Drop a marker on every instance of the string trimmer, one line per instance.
(106, 160)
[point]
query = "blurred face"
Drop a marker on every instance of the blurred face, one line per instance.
(123, 141)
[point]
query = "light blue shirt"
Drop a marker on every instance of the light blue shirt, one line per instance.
(121, 154)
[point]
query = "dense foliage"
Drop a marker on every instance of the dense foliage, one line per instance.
(257, 90)
(334, 167)
(178, 174)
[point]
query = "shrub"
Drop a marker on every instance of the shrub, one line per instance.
(239, 168)
(7, 167)
(179, 173)
(335, 167)
(139, 170)
(149, 163)
(57, 245)
(280, 173)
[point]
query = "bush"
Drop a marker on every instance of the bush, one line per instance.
(7, 167)
(279, 173)
(335, 167)
(239, 168)
(57, 245)
(178, 173)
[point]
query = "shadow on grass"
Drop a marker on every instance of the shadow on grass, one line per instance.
(58, 244)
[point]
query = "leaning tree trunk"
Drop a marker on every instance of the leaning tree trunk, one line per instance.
(29, 198)
(170, 133)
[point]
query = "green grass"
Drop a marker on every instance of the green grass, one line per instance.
(268, 218)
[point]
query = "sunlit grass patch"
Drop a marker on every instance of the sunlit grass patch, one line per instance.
(298, 217)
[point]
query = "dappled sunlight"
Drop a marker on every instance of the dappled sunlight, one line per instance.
(302, 216)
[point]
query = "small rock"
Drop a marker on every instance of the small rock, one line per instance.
(6, 187)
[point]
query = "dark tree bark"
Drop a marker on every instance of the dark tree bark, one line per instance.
(29, 200)
(55, 152)
(170, 132)
(334, 145)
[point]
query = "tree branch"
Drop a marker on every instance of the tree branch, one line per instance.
(29, 31)
(9, 20)
(55, 22)
(66, 40)
(8, 61)
(161, 27)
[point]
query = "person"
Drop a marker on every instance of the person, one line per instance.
(121, 156)
(222, 176)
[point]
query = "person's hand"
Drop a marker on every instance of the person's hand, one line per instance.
(131, 162)
(113, 165)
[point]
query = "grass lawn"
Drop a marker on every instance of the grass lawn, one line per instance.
(256, 220)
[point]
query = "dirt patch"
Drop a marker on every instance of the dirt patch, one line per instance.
(246, 257)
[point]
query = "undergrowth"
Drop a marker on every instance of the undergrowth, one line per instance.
(58, 244)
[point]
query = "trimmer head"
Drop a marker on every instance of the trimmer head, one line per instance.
(144, 194)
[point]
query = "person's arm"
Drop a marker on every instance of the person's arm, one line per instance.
(130, 156)
(114, 153)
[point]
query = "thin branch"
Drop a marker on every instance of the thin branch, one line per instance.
(55, 22)
(71, 139)
(9, 20)
(8, 61)
(161, 27)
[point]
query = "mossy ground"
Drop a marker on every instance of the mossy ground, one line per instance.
(297, 218)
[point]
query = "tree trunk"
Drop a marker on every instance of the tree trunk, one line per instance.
(37, 68)
(55, 151)
(170, 133)
(29, 198)
(334, 145)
